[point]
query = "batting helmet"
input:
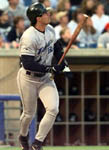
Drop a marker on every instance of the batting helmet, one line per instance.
(35, 10)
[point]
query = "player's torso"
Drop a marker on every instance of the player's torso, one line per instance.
(43, 45)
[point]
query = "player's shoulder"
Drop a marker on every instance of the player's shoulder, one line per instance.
(28, 35)
(29, 32)
(50, 28)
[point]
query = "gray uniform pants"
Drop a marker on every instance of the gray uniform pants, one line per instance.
(30, 89)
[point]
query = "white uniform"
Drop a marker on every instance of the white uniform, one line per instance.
(40, 45)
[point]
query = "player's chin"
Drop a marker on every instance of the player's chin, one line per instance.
(47, 22)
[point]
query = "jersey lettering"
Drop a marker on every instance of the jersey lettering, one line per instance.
(47, 46)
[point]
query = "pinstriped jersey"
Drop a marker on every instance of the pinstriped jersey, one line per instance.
(38, 44)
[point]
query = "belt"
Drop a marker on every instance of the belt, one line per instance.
(35, 74)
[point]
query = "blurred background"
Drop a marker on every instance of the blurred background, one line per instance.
(84, 92)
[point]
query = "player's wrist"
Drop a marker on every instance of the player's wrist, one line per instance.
(55, 68)
(52, 69)
(48, 69)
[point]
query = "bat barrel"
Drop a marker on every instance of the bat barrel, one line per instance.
(73, 38)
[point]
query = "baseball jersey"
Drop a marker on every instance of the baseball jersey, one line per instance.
(38, 44)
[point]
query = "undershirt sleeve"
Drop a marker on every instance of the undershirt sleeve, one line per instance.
(58, 52)
(29, 63)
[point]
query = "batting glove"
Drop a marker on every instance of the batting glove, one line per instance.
(55, 68)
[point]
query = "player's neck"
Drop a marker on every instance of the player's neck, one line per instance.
(40, 27)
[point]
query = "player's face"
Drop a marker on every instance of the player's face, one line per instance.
(45, 19)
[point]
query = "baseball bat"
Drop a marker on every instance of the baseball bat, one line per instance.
(73, 38)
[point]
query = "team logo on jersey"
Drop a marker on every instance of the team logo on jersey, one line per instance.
(47, 47)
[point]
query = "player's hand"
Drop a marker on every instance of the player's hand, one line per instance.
(58, 68)
(55, 68)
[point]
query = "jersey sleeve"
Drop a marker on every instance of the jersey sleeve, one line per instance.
(27, 46)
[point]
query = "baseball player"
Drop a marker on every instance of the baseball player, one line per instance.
(37, 48)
